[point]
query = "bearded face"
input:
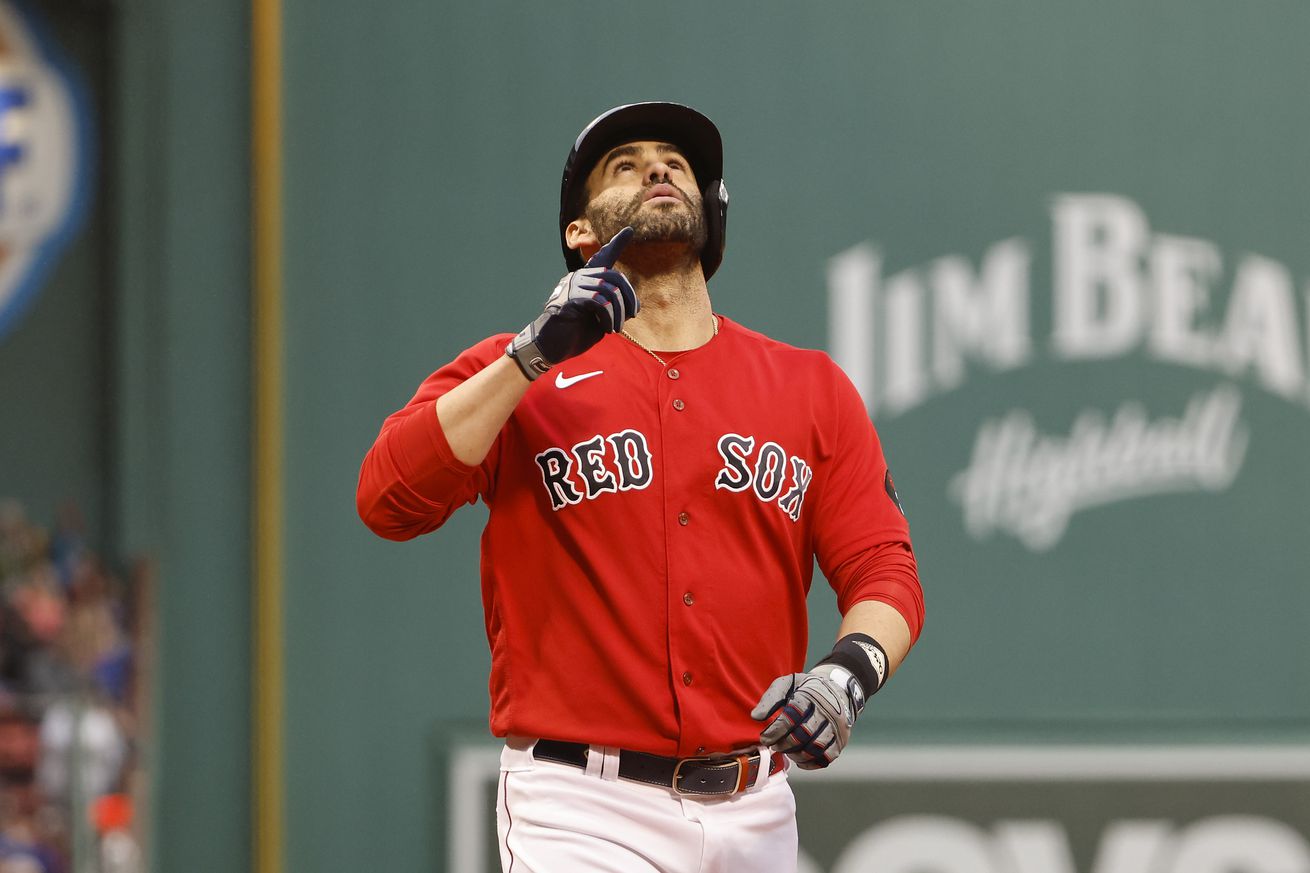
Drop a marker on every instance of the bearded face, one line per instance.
(658, 220)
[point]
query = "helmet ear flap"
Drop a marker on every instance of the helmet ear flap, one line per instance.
(715, 203)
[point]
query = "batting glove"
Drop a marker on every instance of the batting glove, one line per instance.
(585, 305)
(813, 712)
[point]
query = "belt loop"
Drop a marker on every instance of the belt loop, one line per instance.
(762, 773)
(743, 771)
(603, 763)
(609, 771)
(595, 761)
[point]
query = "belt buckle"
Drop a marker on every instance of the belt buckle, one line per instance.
(742, 762)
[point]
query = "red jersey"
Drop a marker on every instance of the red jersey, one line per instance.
(653, 531)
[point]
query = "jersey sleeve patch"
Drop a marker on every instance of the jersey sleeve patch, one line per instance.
(888, 484)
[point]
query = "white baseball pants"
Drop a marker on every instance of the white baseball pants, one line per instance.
(554, 818)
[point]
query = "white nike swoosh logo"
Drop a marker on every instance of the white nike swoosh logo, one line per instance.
(562, 381)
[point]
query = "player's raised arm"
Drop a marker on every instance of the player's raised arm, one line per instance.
(585, 305)
(425, 461)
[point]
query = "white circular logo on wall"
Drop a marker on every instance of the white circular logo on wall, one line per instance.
(44, 159)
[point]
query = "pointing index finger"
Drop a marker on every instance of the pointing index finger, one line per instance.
(609, 253)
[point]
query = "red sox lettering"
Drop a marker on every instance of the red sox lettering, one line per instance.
(622, 462)
(631, 463)
(766, 477)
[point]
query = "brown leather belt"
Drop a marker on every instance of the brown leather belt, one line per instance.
(708, 776)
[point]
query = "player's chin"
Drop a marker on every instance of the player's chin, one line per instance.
(664, 228)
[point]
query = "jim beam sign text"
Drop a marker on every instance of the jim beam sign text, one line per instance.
(1118, 289)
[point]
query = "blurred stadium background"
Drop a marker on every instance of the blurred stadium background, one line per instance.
(1061, 247)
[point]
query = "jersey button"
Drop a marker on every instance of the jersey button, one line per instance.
(673, 373)
(686, 678)
(688, 599)
(678, 404)
(700, 750)
(684, 519)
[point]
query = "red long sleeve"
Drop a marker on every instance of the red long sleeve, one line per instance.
(410, 481)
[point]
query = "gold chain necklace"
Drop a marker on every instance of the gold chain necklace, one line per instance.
(663, 363)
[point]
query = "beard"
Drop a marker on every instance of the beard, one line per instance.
(678, 230)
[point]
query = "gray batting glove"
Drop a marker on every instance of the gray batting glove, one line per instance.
(813, 714)
(585, 305)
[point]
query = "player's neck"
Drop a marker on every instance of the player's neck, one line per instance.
(675, 311)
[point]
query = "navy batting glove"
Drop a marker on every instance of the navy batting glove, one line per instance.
(812, 717)
(811, 714)
(585, 305)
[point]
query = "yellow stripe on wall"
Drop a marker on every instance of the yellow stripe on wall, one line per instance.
(266, 197)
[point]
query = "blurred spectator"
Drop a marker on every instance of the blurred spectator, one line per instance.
(66, 678)
(81, 734)
(21, 849)
(112, 815)
(68, 547)
(92, 633)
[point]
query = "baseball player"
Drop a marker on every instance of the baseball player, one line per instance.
(660, 481)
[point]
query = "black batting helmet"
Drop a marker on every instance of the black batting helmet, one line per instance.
(674, 123)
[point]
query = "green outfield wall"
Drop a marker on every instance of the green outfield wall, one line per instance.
(182, 268)
(1060, 247)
